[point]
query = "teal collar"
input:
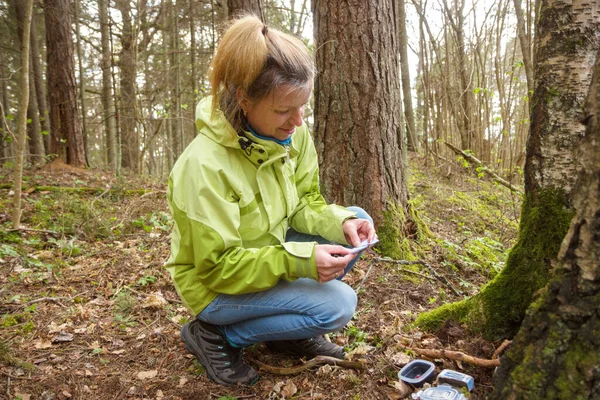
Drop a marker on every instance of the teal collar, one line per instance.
(285, 142)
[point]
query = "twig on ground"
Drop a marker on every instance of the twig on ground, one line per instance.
(456, 355)
(100, 195)
(313, 362)
(51, 299)
(21, 228)
(501, 349)
(421, 262)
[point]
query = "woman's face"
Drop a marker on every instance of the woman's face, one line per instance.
(279, 113)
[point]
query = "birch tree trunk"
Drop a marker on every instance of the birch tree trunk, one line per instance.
(358, 121)
(567, 39)
(558, 343)
(23, 105)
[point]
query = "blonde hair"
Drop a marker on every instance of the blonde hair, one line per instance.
(258, 60)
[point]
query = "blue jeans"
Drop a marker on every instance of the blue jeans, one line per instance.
(300, 309)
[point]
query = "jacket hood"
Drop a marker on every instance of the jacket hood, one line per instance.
(220, 131)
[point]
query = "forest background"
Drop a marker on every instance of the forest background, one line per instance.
(112, 87)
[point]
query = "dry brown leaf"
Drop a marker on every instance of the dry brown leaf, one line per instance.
(42, 344)
(289, 389)
(147, 374)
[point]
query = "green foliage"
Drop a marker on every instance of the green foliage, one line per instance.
(146, 280)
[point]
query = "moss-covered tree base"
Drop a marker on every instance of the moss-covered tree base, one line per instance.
(556, 353)
(498, 310)
(398, 225)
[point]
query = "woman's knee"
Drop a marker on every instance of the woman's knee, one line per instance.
(360, 213)
(340, 309)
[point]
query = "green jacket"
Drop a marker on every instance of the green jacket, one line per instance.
(232, 200)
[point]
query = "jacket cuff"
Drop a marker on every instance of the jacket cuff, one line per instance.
(303, 264)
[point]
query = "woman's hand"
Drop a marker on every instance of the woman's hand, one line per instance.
(357, 229)
(331, 261)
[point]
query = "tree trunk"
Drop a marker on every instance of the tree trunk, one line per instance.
(525, 42)
(558, 343)
(23, 106)
(130, 143)
(67, 140)
(108, 103)
(358, 122)
(412, 143)
(34, 131)
(36, 148)
(40, 87)
(4, 110)
(238, 7)
(81, 80)
(567, 39)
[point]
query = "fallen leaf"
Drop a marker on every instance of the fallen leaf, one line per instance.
(63, 337)
(42, 344)
(66, 394)
(159, 395)
(402, 388)
(155, 300)
(289, 389)
(147, 374)
(324, 370)
(182, 381)
(400, 359)
(23, 396)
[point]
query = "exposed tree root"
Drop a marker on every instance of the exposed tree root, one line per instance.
(313, 362)
(456, 355)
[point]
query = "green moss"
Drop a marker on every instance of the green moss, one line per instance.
(498, 310)
(402, 232)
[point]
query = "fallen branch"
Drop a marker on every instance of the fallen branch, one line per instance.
(501, 348)
(22, 228)
(313, 362)
(472, 159)
(421, 262)
(456, 355)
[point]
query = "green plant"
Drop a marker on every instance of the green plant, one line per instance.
(146, 280)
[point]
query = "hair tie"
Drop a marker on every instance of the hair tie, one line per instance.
(265, 29)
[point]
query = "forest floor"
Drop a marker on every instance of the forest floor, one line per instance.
(88, 312)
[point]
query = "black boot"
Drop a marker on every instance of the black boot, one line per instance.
(309, 348)
(223, 362)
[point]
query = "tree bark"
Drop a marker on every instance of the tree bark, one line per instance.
(525, 42)
(36, 148)
(4, 135)
(67, 140)
(130, 143)
(108, 103)
(412, 142)
(23, 106)
(81, 80)
(40, 87)
(567, 40)
(358, 122)
(555, 354)
(238, 7)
